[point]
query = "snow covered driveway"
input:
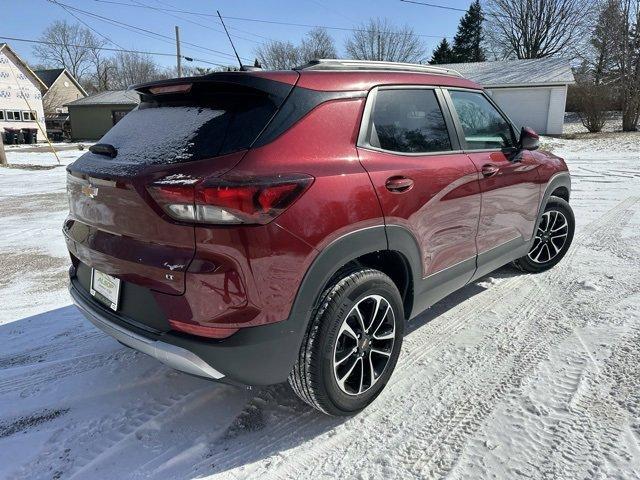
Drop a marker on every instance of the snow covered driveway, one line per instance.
(515, 375)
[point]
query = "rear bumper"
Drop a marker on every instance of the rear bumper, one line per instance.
(261, 355)
(171, 355)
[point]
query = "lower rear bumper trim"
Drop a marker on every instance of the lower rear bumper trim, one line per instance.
(171, 355)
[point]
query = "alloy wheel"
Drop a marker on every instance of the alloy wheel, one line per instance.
(364, 345)
(550, 237)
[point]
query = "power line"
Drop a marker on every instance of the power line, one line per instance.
(259, 20)
(176, 10)
(208, 27)
(42, 42)
(90, 27)
(140, 29)
(230, 27)
(433, 5)
(328, 27)
(444, 7)
(188, 58)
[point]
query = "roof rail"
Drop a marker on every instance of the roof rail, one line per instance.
(339, 64)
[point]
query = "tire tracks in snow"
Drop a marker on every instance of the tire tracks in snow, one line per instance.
(97, 439)
(468, 404)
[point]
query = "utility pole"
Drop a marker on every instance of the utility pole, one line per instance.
(178, 56)
(3, 157)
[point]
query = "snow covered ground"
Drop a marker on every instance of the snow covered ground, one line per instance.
(534, 376)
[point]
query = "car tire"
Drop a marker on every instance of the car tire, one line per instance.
(552, 238)
(336, 371)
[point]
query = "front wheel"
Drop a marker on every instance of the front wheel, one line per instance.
(352, 344)
(552, 239)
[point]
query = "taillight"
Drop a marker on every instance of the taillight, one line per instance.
(226, 201)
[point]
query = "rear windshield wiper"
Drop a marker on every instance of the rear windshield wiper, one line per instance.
(104, 149)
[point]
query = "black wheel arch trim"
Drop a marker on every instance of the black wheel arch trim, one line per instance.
(348, 248)
(558, 180)
(328, 262)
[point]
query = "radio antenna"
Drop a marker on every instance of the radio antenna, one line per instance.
(230, 41)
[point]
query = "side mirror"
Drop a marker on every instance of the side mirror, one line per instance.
(529, 140)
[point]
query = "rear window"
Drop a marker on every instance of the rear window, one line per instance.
(205, 123)
(408, 121)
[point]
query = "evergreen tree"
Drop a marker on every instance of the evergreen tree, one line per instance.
(442, 53)
(467, 44)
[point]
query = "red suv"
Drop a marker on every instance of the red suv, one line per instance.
(254, 227)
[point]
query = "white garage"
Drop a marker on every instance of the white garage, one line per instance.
(532, 92)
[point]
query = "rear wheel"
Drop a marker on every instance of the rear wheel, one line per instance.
(552, 238)
(352, 344)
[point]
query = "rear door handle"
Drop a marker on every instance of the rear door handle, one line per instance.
(398, 184)
(489, 170)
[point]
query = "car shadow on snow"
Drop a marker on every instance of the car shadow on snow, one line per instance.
(465, 293)
(233, 427)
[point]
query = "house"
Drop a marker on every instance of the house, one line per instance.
(531, 92)
(20, 95)
(62, 88)
(91, 117)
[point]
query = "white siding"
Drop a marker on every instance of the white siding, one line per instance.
(541, 108)
(18, 93)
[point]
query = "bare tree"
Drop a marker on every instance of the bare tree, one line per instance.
(628, 64)
(278, 55)
(378, 39)
(536, 28)
(131, 68)
(103, 72)
(68, 45)
(281, 55)
(317, 44)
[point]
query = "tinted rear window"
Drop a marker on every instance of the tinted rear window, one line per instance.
(409, 121)
(190, 127)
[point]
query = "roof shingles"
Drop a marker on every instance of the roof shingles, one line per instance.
(113, 97)
(528, 72)
(48, 77)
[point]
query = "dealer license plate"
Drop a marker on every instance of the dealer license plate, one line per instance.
(105, 288)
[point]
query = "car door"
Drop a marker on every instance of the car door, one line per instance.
(426, 185)
(509, 179)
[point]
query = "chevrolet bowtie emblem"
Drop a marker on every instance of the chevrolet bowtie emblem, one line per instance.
(90, 191)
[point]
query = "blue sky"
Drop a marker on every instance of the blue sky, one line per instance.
(28, 18)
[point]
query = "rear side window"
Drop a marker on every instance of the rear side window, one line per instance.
(483, 126)
(408, 121)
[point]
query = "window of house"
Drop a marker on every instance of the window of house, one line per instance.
(1, 114)
(408, 121)
(26, 116)
(483, 125)
(117, 115)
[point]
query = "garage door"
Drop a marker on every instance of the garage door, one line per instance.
(525, 106)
